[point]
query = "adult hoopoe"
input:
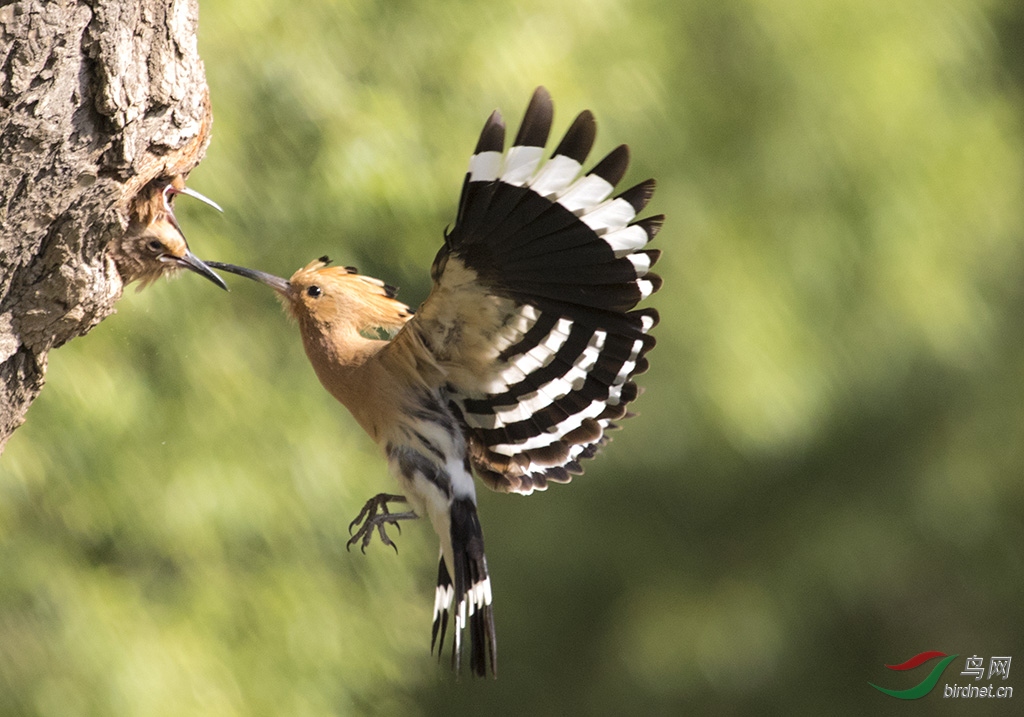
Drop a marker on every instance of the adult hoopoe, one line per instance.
(154, 244)
(516, 364)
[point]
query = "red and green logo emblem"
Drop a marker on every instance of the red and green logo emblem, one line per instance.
(924, 686)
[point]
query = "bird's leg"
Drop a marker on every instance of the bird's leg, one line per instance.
(375, 514)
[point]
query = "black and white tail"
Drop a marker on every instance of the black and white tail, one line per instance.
(468, 591)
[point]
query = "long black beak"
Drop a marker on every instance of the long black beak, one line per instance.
(276, 283)
(193, 263)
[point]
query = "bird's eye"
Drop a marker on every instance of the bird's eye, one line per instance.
(155, 246)
(314, 291)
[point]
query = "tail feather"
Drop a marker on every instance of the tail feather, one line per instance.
(442, 604)
(468, 595)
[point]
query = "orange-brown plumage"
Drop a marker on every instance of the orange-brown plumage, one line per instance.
(351, 304)
(346, 320)
(516, 364)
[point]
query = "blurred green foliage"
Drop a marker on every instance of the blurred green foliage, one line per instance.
(825, 475)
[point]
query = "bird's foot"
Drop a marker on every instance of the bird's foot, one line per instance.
(375, 515)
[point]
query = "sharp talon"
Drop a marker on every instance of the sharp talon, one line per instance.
(375, 514)
(359, 518)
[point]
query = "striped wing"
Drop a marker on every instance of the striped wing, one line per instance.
(531, 313)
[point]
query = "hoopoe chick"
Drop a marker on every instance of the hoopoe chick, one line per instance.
(154, 244)
(515, 366)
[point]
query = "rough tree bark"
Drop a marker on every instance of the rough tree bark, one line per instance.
(97, 98)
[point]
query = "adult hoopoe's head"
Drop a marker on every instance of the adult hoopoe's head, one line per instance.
(333, 300)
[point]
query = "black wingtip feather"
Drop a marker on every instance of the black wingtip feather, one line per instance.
(492, 138)
(536, 124)
(655, 280)
(651, 314)
(613, 167)
(652, 225)
(639, 195)
(579, 138)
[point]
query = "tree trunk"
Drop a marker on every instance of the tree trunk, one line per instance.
(97, 98)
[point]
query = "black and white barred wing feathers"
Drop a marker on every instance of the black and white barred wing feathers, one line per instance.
(531, 311)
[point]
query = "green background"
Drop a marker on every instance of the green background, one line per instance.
(825, 475)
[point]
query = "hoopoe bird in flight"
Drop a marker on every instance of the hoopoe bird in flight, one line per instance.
(154, 244)
(516, 365)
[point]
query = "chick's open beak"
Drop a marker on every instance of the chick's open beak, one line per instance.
(193, 263)
(170, 190)
(276, 283)
(189, 260)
